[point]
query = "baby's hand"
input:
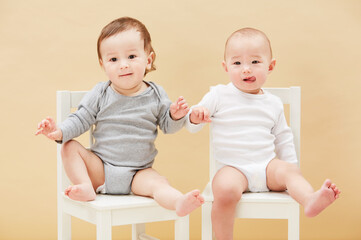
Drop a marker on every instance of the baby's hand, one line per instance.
(179, 109)
(199, 115)
(49, 128)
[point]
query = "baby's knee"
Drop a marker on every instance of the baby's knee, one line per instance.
(162, 180)
(157, 183)
(69, 147)
(227, 194)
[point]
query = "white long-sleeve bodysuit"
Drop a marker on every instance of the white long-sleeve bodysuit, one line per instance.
(248, 131)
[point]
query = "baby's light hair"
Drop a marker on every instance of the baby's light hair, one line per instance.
(123, 24)
(249, 32)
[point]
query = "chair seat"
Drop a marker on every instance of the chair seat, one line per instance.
(107, 202)
(125, 209)
(266, 205)
(277, 197)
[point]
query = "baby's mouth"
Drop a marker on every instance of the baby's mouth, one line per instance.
(250, 79)
(124, 75)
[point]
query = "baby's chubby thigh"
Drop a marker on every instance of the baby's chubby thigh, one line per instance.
(228, 185)
(277, 173)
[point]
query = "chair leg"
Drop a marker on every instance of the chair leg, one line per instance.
(294, 224)
(207, 233)
(104, 225)
(181, 230)
(64, 226)
(137, 229)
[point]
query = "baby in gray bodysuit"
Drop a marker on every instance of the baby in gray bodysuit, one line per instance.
(126, 111)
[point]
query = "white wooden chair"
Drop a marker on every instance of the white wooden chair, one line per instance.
(107, 210)
(265, 205)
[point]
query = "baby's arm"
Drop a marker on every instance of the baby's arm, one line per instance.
(284, 146)
(49, 128)
(171, 116)
(199, 115)
(78, 122)
(178, 109)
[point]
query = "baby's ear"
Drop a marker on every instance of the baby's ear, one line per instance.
(101, 63)
(150, 60)
(272, 65)
(224, 65)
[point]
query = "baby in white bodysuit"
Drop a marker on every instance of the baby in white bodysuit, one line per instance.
(247, 132)
(251, 142)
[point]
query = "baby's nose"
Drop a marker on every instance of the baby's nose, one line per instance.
(246, 69)
(123, 64)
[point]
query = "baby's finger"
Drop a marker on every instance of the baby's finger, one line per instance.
(51, 121)
(207, 117)
(201, 115)
(38, 132)
(186, 110)
(181, 102)
(194, 114)
(184, 105)
(44, 123)
(181, 98)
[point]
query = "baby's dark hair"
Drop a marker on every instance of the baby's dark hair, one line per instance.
(126, 23)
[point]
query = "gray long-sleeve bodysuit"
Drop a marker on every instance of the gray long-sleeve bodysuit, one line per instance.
(125, 130)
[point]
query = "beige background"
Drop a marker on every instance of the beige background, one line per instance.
(51, 45)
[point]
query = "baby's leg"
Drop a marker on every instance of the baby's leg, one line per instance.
(84, 169)
(149, 183)
(228, 185)
(285, 176)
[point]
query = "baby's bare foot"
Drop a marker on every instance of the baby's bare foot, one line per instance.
(81, 192)
(321, 199)
(189, 202)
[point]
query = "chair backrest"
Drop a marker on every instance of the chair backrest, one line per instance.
(66, 101)
(289, 96)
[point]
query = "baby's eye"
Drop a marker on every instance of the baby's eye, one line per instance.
(237, 63)
(113, 59)
(131, 56)
(255, 61)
